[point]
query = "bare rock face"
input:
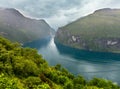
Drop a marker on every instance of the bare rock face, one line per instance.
(99, 31)
(17, 27)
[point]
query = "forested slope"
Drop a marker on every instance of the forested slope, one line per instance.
(24, 68)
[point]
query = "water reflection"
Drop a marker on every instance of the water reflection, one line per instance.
(89, 64)
(38, 43)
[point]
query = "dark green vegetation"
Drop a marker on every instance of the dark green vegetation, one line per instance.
(99, 31)
(16, 27)
(24, 68)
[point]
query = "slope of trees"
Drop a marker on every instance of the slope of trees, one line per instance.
(24, 68)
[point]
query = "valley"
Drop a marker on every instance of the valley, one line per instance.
(84, 54)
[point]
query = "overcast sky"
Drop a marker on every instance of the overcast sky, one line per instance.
(59, 12)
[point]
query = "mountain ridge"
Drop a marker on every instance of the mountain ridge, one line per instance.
(17, 27)
(98, 31)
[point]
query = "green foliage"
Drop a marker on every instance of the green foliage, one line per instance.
(69, 85)
(43, 86)
(102, 83)
(79, 80)
(58, 67)
(33, 82)
(10, 83)
(62, 80)
(24, 68)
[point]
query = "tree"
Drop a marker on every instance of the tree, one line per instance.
(10, 83)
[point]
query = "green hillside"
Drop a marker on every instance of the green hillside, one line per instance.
(18, 28)
(24, 68)
(99, 31)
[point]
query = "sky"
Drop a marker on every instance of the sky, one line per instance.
(58, 13)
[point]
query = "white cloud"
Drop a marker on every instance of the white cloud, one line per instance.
(59, 13)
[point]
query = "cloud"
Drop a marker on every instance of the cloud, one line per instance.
(59, 13)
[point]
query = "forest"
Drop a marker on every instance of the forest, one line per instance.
(24, 68)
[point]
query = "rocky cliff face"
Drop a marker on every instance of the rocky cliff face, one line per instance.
(16, 27)
(99, 31)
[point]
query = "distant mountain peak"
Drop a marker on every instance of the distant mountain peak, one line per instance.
(99, 31)
(11, 10)
(107, 10)
(103, 9)
(15, 11)
(18, 13)
(18, 27)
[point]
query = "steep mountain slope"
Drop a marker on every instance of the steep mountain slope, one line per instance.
(99, 31)
(16, 27)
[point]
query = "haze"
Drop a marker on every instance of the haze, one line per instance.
(58, 13)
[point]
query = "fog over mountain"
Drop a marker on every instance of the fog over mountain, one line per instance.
(59, 13)
(16, 27)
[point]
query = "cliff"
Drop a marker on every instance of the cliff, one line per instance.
(99, 31)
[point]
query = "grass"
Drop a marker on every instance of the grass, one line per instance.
(99, 25)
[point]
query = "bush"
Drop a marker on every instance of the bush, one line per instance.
(69, 85)
(102, 83)
(10, 83)
(32, 82)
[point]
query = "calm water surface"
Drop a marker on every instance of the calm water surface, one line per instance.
(88, 64)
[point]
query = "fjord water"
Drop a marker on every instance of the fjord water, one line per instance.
(89, 64)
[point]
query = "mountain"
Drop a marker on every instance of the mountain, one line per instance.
(17, 27)
(99, 31)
